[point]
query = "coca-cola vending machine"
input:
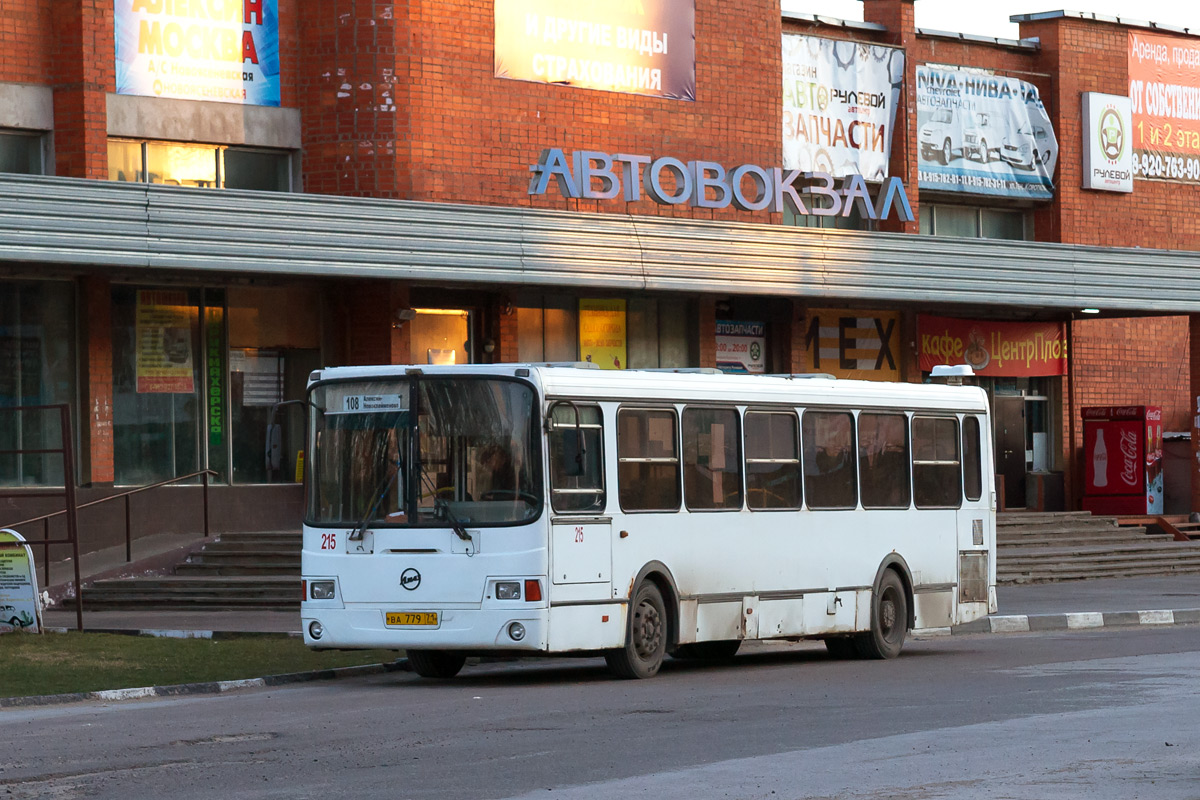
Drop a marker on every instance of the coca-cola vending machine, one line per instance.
(1122, 448)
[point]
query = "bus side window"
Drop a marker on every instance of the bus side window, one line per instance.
(937, 471)
(883, 460)
(576, 479)
(712, 465)
(772, 460)
(647, 460)
(829, 478)
(972, 460)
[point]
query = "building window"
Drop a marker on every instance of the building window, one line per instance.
(21, 152)
(37, 367)
(853, 222)
(976, 222)
(200, 165)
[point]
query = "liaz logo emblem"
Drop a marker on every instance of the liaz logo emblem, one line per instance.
(1112, 134)
(410, 579)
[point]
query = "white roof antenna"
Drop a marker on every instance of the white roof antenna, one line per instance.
(953, 374)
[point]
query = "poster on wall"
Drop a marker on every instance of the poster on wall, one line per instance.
(1107, 154)
(647, 47)
(839, 105)
(859, 345)
(164, 342)
(19, 606)
(1164, 89)
(226, 52)
(602, 333)
(1000, 349)
(982, 133)
(741, 346)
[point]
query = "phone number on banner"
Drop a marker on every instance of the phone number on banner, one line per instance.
(1159, 165)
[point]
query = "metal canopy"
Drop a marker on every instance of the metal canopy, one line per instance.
(88, 223)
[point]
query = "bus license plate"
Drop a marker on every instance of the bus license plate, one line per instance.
(412, 618)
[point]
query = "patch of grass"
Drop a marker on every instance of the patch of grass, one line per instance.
(58, 663)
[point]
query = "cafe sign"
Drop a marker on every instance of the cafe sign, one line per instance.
(1008, 349)
(592, 175)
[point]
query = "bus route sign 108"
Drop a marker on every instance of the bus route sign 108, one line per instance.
(19, 608)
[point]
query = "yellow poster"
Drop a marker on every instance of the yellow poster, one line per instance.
(856, 344)
(164, 342)
(602, 333)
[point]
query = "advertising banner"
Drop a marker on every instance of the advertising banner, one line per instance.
(741, 346)
(1007, 349)
(983, 134)
(602, 337)
(164, 342)
(860, 345)
(647, 47)
(1107, 149)
(19, 607)
(221, 50)
(1164, 88)
(839, 105)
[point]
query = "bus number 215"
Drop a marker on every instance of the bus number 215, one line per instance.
(328, 541)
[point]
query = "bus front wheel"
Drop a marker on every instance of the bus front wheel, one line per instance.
(889, 619)
(436, 663)
(645, 639)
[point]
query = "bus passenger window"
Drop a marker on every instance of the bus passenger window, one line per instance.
(972, 463)
(937, 473)
(647, 460)
(712, 465)
(576, 478)
(829, 479)
(883, 460)
(772, 461)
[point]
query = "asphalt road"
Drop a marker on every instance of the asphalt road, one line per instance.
(1102, 714)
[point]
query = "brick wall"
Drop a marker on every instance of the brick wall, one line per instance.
(25, 37)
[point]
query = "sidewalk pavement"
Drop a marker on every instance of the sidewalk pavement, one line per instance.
(1109, 602)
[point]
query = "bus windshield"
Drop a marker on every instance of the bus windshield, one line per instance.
(475, 461)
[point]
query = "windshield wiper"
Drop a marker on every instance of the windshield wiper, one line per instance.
(356, 533)
(442, 505)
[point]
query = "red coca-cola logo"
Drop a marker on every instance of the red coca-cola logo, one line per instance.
(1129, 453)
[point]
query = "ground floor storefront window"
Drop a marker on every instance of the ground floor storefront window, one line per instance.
(197, 374)
(617, 333)
(37, 367)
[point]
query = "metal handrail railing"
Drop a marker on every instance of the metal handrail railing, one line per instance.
(72, 507)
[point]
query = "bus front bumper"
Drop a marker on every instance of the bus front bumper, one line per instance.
(475, 629)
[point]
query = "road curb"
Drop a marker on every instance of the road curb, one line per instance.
(208, 687)
(169, 633)
(1087, 620)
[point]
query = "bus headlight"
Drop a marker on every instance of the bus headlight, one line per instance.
(516, 631)
(322, 590)
(508, 590)
(315, 629)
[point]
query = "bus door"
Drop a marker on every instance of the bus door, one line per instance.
(581, 535)
(973, 528)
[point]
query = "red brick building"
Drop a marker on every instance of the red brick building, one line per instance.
(373, 204)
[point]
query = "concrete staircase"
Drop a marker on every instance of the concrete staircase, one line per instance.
(237, 570)
(1073, 545)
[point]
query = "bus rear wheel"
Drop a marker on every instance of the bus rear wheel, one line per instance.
(708, 651)
(889, 619)
(645, 639)
(436, 663)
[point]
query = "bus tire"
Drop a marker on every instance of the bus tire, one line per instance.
(645, 638)
(708, 651)
(889, 619)
(436, 663)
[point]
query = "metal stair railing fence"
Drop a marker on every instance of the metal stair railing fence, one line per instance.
(71, 511)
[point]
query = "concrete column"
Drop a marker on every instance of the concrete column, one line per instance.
(707, 331)
(83, 75)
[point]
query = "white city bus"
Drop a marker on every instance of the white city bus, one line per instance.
(551, 509)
